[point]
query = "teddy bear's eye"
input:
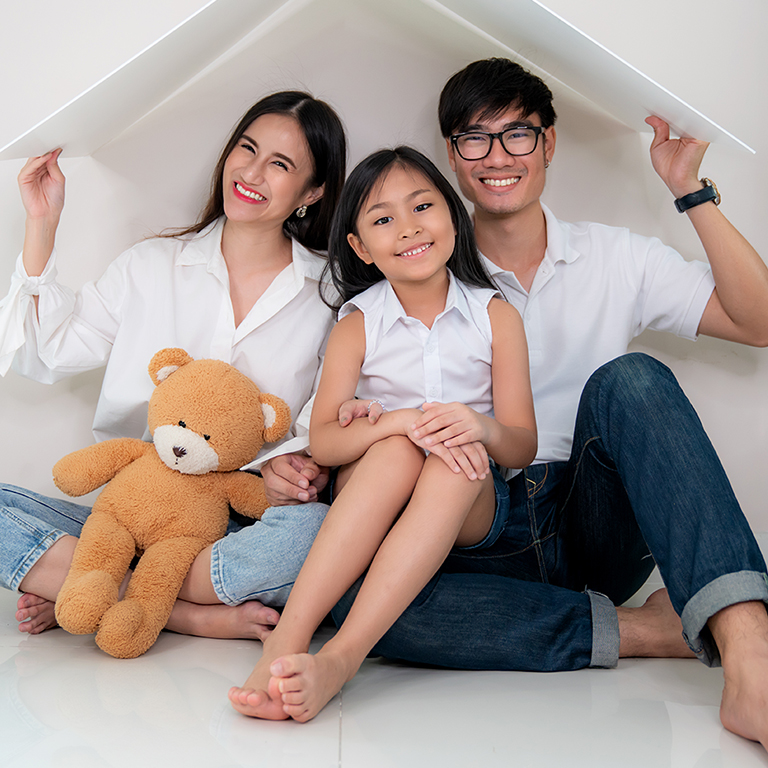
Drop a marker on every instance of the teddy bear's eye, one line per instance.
(207, 437)
(183, 424)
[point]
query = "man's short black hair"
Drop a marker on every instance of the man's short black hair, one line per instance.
(489, 87)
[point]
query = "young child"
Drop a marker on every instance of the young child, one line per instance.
(421, 322)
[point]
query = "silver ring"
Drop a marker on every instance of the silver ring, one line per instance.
(375, 401)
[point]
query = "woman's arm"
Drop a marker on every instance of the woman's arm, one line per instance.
(331, 444)
(41, 184)
(510, 437)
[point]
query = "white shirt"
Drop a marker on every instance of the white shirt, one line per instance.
(407, 364)
(169, 292)
(595, 290)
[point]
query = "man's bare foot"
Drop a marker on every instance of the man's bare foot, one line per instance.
(249, 621)
(653, 629)
(307, 683)
(35, 614)
(741, 633)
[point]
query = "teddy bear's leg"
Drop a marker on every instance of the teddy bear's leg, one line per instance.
(130, 627)
(100, 561)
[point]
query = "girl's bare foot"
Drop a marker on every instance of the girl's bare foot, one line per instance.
(653, 629)
(259, 695)
(35, 614)
(307, 683)
(249, 621)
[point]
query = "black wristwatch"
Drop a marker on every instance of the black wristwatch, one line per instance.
(709, 192)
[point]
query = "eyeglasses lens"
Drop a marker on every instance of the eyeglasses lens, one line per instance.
(517, 141)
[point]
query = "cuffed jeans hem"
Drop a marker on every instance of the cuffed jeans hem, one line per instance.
(729, 589)
(605, 631)
(31, 558)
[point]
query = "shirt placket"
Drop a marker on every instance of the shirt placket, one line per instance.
(433, 380)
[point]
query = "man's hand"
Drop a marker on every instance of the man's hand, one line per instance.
(293, 478)
(676, 161)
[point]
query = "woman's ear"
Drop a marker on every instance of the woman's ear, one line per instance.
(357, 246)
(314, 194)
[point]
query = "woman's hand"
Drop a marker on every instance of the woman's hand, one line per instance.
(293, 478)
(41, 183)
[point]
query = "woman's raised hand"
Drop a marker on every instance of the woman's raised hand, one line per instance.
(41, 183)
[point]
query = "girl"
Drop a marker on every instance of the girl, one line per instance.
(420, 322)
(234, 286)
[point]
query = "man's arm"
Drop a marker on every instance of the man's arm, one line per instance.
(738, 307)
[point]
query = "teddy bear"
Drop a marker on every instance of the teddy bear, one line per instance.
(164, 501)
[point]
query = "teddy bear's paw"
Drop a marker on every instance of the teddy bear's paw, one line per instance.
(127, 631)
(82, 602)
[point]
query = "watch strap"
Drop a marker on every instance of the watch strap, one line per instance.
(704, 195)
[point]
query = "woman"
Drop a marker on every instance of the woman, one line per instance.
(239, 285)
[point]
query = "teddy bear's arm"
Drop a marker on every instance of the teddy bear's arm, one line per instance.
(246, 493)
(85, 470)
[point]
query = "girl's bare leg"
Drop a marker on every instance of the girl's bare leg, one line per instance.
(442, 507)
(353, 530)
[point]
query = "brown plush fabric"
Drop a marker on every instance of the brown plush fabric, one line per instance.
(166, 501)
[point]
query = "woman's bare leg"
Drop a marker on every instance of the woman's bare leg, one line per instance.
(200, 613)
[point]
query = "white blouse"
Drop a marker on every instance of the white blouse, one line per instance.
(407, 364)
(169, 292)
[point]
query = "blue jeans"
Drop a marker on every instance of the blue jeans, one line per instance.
(643, 484)
(252, 562)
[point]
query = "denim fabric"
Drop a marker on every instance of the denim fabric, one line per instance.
(643, 484)
(258, 561)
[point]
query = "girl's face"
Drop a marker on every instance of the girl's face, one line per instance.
(404, 227)
(267, 175)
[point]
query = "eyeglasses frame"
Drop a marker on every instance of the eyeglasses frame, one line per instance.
(537, 129)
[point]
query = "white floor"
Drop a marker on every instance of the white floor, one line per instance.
(64, 703)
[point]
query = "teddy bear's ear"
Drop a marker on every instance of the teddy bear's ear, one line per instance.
(165, 362)
(277, 417)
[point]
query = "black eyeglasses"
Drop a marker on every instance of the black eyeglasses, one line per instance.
(475, 145)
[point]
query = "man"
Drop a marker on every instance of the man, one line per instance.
(629, 480)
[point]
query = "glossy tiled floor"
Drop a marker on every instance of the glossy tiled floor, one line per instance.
(64, 703)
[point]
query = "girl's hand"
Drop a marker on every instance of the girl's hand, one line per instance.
(350, 410)
(676, 161)
(41, 183)
(452, 424)
(469, 458)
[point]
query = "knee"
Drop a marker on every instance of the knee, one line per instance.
(635, 379)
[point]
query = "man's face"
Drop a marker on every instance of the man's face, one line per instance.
(501, 183)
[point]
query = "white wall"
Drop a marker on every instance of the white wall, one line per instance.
(382, 65)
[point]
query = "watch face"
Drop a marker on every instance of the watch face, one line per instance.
(709, 183)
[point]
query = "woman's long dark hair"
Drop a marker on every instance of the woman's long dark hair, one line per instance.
(327, 143)
(349, 273)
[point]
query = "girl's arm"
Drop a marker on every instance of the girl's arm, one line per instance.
(510, 438)
(331, 444)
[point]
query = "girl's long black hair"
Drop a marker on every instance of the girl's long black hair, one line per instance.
(327, 143)
(350, 274)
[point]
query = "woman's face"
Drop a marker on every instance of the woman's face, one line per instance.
(267, 174)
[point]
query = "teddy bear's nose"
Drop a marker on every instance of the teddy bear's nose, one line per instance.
(178, 451)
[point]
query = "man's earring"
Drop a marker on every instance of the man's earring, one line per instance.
(546, 163)
(301, 212)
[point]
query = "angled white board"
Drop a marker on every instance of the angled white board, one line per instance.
(558, 48)
(125, 95)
